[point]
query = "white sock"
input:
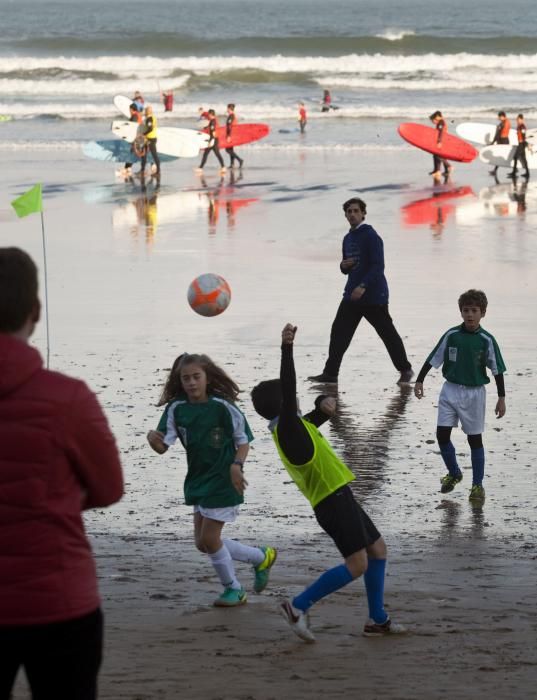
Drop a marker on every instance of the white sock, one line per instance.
(243, 552)
(223, 565)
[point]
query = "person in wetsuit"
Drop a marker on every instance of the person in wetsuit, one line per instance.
(501, 136)
(212, 127)
(520, 153)
(324, 480)
(302, 117)
(230, 123)
(441, 127)
(150, 133)
(136, 117)
(327, 101)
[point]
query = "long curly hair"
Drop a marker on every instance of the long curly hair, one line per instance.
(218, 382)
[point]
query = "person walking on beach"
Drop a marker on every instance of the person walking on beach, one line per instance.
(520, 153)
(501, 136)
(326, 101)
(365, 296)
(323, 479)
(441, 127)
(150, 133)
(302, 117)
(211, 128)
(57, 459)
(135, 117)
(230, 123)
(465, 352)
(200, 411)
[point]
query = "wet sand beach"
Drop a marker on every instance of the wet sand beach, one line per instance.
(462, 579)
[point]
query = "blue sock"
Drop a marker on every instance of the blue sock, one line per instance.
(332, 580)
(374, 586)
(478, 465)
(447, 450)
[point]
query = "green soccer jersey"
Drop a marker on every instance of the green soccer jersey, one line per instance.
(465, 356)
(210, 433)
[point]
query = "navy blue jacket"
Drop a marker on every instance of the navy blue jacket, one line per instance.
(364, 244)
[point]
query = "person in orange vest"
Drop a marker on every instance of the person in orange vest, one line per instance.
(502, 135)
(520, 153)
(302, 117)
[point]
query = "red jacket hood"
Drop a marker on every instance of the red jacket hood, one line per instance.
(18, 362)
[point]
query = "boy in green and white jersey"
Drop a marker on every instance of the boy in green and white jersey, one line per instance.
(465, 352)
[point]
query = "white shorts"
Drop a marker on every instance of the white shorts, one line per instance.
(223, 515)
(465, 403)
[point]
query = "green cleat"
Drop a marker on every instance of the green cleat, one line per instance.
(262, 571)
(449, 482)
(477, 494)
(231, 597)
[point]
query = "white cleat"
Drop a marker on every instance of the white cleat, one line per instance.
(298, 621)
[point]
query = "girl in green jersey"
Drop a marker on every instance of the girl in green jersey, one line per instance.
(200, 411)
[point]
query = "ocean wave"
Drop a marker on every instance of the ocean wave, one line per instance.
(261, 111)
(395, 34)
(454, 81)
(155, 68)
(87, 87)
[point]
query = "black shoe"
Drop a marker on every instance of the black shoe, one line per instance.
(406, 376)
(527, 175)
(323, 378)
(513, 174)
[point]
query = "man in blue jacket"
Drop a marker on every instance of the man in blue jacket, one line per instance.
(365, 296)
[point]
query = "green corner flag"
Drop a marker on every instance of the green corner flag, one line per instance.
(28, 203)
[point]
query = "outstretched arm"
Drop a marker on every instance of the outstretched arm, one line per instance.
(294, 438)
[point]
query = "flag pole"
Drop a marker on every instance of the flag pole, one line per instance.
(46, 286)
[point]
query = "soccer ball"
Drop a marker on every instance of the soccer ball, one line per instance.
(209, 294)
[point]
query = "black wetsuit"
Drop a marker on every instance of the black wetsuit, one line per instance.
(520, 153)
(438, 160)
(213, 144)
(230, 151)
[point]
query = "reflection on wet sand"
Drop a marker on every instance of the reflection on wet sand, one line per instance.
(366, 450)
(220, 198)
(450, 516)
(434, 210)
(506, 200)
(149, 206)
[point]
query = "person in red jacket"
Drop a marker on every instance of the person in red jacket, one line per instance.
(57, 458)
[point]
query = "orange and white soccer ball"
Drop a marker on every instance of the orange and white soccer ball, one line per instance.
(209, 294)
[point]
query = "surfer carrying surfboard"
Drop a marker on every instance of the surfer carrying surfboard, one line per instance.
(501, 136)
(150, 133)
(441, 127)
(230, 122)
(212, 126)
(520, 153)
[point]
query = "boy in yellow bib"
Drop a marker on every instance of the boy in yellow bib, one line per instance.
(323, 479)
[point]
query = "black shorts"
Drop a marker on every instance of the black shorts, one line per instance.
(346, 522)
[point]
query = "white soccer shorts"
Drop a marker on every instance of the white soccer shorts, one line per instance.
(223, 515)
(465, 403)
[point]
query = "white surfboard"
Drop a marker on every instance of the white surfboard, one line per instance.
(122, 103)
(180, 143)
(482, 134)
(502, 156)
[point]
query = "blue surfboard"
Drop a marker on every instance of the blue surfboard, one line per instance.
(116, 151)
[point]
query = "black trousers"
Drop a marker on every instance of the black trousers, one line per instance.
(520, 155)
(151, 146)
(348, 316)
(61, 659)
(233, 156)
(216, 152)
(438, 161)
